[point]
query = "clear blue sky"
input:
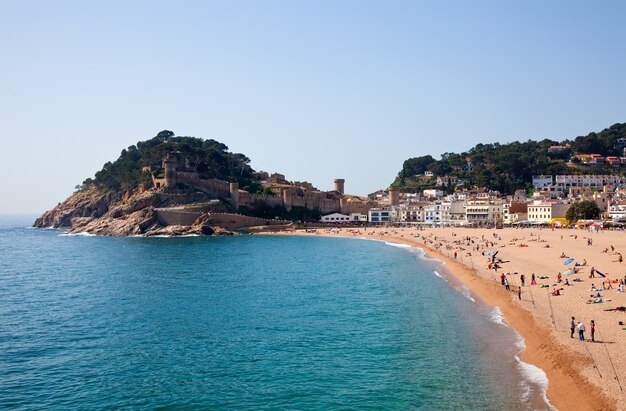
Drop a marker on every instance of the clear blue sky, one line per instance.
(315, 90)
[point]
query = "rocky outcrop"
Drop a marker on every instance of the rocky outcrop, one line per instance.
(88, 203)
(107, 213)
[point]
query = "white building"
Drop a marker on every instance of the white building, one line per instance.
(543, 212)
(542, 181)
(433, 193)
(617, 211)
(335, 218)
(433, 214)
(381, 215)
(358, 217)
(594, 181)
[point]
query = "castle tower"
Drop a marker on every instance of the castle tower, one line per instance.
(169, 164)
(234, 194)
(339, 182)
(394, 196)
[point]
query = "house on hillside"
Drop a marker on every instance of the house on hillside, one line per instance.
(558, 149)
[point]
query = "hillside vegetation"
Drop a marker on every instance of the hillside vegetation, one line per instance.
(210, 158)
(507, 167)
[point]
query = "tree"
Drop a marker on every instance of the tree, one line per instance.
(584, 210)
(415, 166)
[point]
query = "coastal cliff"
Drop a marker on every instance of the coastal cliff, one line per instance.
(93, 211)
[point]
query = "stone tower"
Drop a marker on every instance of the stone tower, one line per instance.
(339, 182)
(394, 196)
(169, 164)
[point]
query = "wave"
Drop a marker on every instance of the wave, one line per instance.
(82, 233)
(496, 316)
(534, 375)
(438, 274)
(465, 292)
(399, 245)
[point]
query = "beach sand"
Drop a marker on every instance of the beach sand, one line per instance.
(582, 375)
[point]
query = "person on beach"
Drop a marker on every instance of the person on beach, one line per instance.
(559, 278)
(581, 331)
(522, 279)
(572, 327)
(519, 293)
(592, 329)
(502, 278)
(455, 255)
(506, 284)
(532, 279)
(592, 273)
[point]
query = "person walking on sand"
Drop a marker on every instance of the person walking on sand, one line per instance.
(593, 272)
(581, 331)
(572, 327)
(522, 279)
(506, 284)
(592, 328)
(502, 278)
(532, 279)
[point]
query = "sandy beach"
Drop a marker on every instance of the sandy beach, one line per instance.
(582, 375)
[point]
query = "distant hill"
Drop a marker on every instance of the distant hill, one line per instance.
(507, 167)
(209, 158)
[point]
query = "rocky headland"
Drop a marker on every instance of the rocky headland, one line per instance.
(92, 210)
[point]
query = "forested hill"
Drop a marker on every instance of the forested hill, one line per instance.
(210, 158)
(507, 167)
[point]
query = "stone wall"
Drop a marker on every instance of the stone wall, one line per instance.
(236, 221)
(173, 216)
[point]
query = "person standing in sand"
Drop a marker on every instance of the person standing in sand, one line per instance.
(532, 280)
(592, 328)
(522, 279)
(581, 331)
(593, 272)
(572, 327)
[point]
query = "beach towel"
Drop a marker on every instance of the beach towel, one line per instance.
(601, 274)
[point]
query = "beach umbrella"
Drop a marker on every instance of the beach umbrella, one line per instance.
(568, 272)
(568, 261)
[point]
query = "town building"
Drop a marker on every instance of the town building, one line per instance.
(484, 212)
(544, 212)
(542, 181)
(381, 215)
(594, 181)
(335, 218)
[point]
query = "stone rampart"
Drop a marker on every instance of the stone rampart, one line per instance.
(175, 216)
(236, 221)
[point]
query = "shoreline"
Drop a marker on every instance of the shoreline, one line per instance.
(568, 385)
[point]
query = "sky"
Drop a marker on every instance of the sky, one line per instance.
(315, 90)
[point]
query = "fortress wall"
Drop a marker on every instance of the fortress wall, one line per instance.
(176, 217)
(235, 221)
(216, 188)
(348, 207)
(328, 205)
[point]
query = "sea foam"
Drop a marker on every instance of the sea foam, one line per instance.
(82, 234)
(534, 375)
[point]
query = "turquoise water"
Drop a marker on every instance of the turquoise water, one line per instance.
(243, 323)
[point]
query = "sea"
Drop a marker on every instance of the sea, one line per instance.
(246, 323)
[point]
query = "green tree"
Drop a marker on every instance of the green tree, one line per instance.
(584, 210)
(415, 166)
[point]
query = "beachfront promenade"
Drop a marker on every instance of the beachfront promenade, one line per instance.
(582, 375)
